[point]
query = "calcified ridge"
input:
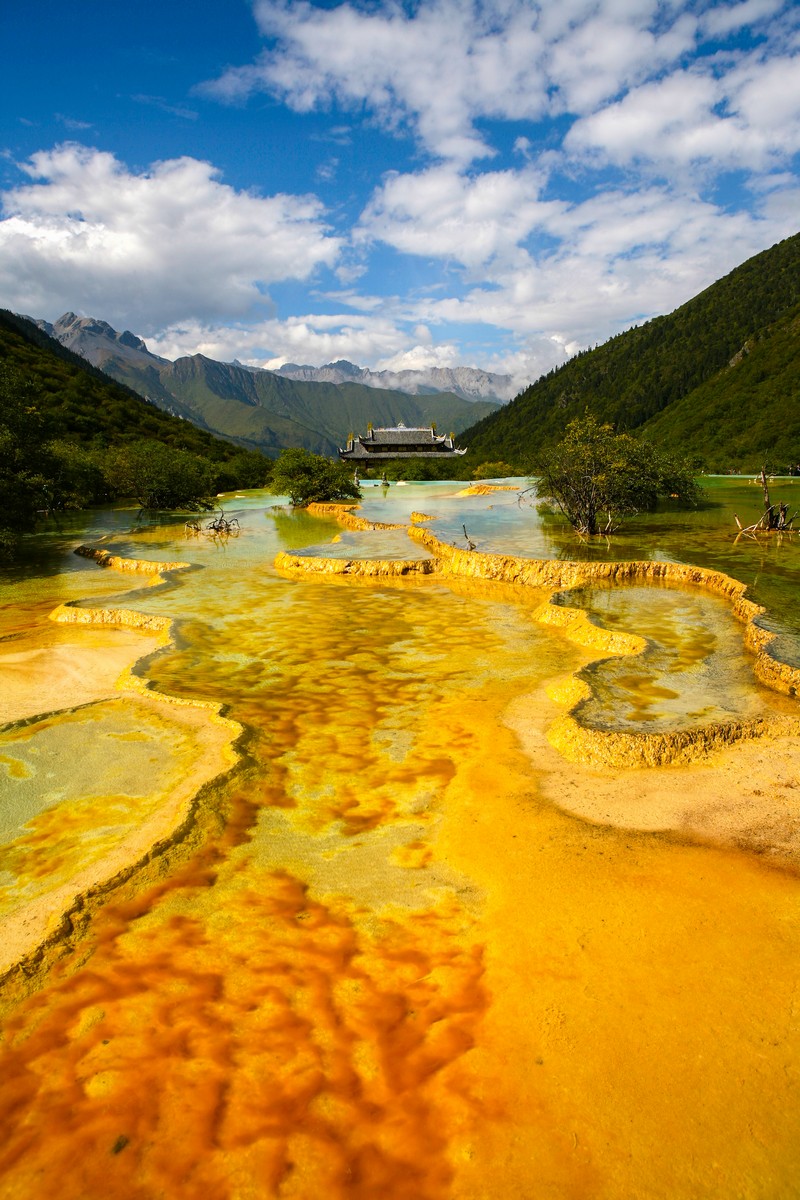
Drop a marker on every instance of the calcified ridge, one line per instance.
(36, 938)
(74, 613)
(140, 566)
(572, 738)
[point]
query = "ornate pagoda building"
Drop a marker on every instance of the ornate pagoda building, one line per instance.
(398, 442)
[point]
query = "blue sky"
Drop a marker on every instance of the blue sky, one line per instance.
(494, 184)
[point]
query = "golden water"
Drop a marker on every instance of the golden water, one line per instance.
(379, 962)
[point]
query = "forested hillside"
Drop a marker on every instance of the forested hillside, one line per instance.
(748, 413)
(84, 405)
(71, 437)
(717, 379)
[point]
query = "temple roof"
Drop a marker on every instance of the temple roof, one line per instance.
(399, 441)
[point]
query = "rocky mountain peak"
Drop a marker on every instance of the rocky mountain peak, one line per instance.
(71, 326)
(126, 338)
(95, 339)
(99, 342)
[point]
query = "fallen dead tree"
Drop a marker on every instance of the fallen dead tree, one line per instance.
(220, 524)
(774, 519)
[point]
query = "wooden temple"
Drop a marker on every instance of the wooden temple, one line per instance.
(398, 442)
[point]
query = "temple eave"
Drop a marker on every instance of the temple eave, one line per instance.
(399, 441)
(361, 455)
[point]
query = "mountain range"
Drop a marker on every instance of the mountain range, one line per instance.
(470, 383)
(83, 406)
(260, 409)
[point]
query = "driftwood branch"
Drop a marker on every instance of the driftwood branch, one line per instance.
(219, 524)
(774, 519)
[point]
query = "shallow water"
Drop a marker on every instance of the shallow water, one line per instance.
(691, 672)
(380, 962)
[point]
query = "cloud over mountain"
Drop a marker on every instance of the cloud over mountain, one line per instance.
(170, 241)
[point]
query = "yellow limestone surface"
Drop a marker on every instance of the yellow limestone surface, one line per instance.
(59, 666)
(400, 970)
(486, 489)
(133, 769)
(130, 768)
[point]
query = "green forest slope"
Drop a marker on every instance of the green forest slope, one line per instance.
(85, 406)
(716, 379)
(748, 414)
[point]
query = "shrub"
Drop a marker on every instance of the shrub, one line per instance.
(160, 477)
(493, 470)
(308, 478)
(594, 473)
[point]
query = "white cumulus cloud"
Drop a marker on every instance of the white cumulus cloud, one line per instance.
(423, 357)
(442, 213)
(440, 67)
(148, 249)
(434, 69)
(722, 19)
(615, 258)
(312, 338)
(747, 118)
